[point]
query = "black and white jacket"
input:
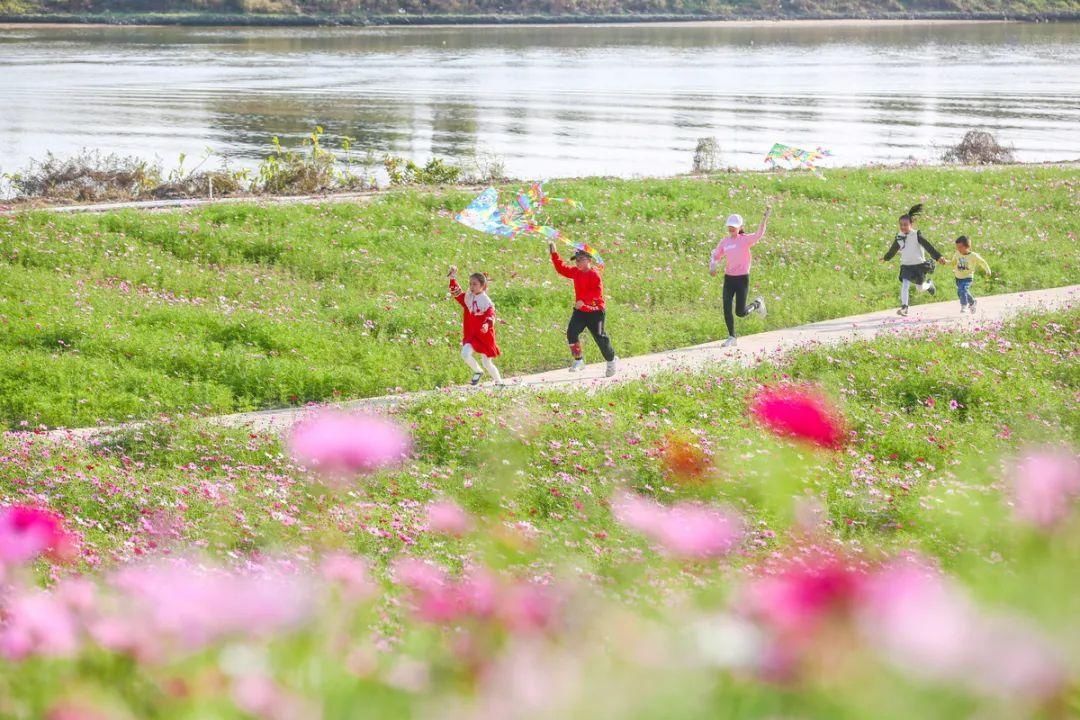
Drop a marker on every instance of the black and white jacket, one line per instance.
(911, 247)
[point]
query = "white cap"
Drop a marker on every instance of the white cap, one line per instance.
(734, 221)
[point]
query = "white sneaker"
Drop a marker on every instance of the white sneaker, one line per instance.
(611, 367)
(577, 364)
(932, 289)
(730, 342)
(761, 305)
(963, 309)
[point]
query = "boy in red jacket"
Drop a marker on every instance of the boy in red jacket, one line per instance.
(588, 307)
(478, 325)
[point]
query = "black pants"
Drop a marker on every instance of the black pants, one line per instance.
(736, 288)
(594, 322)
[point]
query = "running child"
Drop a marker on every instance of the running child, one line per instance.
(914, 266)
(963, 266)
(478, 326)
(589, 311)
(735, 251)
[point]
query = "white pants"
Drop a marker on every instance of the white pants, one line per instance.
(467, 356)
(905, 290)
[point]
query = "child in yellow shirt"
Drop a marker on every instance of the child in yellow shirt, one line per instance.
(963, 266)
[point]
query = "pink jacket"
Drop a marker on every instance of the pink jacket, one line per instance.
(737, 252)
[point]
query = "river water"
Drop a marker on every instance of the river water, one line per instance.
(550, 101)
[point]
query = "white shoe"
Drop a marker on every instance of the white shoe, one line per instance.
(761, 305)
(963, 309)
(730, 342)
(931, 288)
(577, 365)
(610, 367)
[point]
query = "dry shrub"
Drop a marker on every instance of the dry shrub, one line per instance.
(979, 147)
(199, 185)
(88, 176)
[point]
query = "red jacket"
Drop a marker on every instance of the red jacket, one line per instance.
(478, 325)
(588, 285)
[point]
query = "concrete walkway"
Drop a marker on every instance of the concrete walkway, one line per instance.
(751, 349)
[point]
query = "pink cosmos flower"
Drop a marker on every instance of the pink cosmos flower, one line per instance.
(686, 530)
(799, 413)
(351, 573)
(38, 623)
(1045, 485)
(28, 532)
(448, 517)
(930, 628)
(337, 443)
(197, 605)
(527, 607)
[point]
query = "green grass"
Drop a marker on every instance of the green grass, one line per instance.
(921, 474)
(239, 307)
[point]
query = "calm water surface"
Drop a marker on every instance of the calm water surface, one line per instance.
(552, 101)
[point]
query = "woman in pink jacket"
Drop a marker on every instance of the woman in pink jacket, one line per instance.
(735, 251)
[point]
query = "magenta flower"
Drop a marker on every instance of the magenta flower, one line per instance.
(28, 532)
(795, 601)
(337, 443)
(801, 414)
(686, 530)
(1045, 485)
(448, 517)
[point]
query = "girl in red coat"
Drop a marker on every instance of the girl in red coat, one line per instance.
(589, 312)
(478, 326)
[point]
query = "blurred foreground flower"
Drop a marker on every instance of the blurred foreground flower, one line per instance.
(930, 628)
(28, 532)
(686, 530)
(801, 414)
(337, 443)
(195, 605)
(447, 517)
(1045, 486)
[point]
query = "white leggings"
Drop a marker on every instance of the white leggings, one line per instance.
(467, 356)
(905, 290)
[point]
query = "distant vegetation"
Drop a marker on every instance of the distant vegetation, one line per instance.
(344, 10)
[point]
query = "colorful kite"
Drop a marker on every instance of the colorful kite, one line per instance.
(792, 155)
(486, 215)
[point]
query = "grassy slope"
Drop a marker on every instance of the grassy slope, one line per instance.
(237, 307)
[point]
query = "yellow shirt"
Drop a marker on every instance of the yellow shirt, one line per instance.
(963, 266)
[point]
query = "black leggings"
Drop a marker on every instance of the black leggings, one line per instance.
(736, 288)
(594, 322)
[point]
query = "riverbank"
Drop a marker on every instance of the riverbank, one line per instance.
(47, 20)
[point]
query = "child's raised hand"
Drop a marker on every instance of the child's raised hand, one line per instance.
(551, 246)
(453, 272)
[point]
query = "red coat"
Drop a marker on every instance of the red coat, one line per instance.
(478, 323)
(588, 285)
